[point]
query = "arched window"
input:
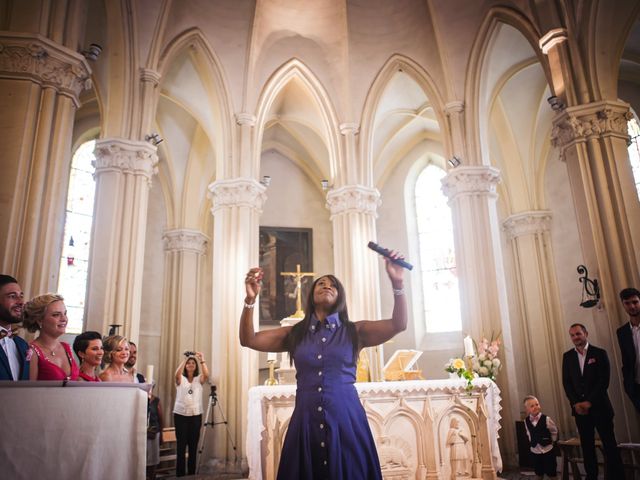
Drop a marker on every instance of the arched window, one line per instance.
(437, 253)
(634, 151)
(74, 264)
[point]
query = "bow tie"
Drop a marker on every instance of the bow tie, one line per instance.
(5, 333)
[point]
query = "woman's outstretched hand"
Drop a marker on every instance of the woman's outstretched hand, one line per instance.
(253, 283)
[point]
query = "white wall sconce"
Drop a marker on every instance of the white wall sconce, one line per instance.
(325, 184)
(454, 162)
(92, 52)
(154, 138)
(556, 103)
(265, 180)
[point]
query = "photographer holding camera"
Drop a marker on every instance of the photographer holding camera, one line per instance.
(187, 411)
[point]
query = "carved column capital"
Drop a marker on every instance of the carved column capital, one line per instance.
(237, 192)
(185, 240)
(151, 76)
(552, 38)
(579, 123)
(349, 128)
(353, 199)
(126, 156)
(455, 106)
(245, 119)
(471, 180)
(38, 59)
(527, 223)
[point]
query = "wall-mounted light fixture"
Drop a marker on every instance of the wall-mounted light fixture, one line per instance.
(113, 329)
(265, 180)
(325, 184)
(154, 138)
(556, 103)
(454, 162)
(92, 52)
(590, 288)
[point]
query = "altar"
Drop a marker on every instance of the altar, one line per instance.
(416, 425)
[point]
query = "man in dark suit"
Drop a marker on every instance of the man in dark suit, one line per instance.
(13, 349)
(629, 341)
(585, 377)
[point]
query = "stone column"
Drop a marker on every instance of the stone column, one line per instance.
(184, 249)
(237, 205)
(353, 214)
(40, 85)
(539, 309)
(471, 191)
(124, 169)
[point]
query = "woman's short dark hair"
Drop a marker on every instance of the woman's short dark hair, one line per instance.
(184, 370)
(298, 331)
(81, 343)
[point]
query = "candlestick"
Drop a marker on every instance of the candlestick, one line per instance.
(149, 375)
(468, 347)
(272, 378)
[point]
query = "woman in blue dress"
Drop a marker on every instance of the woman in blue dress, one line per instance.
(328, 435)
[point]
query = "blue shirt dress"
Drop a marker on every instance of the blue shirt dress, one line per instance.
(328, 435)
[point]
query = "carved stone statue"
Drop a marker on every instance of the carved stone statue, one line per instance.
(458, 453)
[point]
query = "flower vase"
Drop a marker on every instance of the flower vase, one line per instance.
(453, 375)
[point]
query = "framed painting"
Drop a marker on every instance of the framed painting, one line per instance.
(281, 250)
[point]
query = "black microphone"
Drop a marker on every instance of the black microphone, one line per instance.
(386, 253)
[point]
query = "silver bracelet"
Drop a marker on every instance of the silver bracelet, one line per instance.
(398, 291)
(249, 305)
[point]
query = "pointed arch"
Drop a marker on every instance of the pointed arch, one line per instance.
(296, 69)
(396, 63)
(204, 58)
(475, 70)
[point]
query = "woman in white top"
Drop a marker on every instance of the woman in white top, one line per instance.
(187, 411)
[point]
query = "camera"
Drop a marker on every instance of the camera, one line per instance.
(189, 353)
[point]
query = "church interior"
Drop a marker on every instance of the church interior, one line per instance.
(155, 150)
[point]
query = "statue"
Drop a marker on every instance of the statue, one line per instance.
(458, 454)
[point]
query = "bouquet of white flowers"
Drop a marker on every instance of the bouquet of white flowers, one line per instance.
(486, 363)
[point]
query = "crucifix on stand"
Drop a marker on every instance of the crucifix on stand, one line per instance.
(298, 276)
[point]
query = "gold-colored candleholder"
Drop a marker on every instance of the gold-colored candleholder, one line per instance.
(272, 378)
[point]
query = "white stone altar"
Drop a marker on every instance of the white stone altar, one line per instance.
(422, 428)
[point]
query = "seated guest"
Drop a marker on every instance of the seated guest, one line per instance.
(13, 349)
(48, 314)
(116, 354)
(88, 348)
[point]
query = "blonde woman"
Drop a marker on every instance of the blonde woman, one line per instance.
(48, 315)
(116, 354)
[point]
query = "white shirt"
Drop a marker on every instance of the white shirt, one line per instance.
(635, 334)
(582, 357)
(188, 404)
(13, 356)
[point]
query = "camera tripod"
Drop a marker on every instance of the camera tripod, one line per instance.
(209, 421)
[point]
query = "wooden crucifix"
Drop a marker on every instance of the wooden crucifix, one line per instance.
(298, 275)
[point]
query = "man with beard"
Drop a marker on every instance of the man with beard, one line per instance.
(585, 377)
(133, 356)
(13, 362)
(629, 341)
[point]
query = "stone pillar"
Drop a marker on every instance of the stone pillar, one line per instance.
(124, 169)
(353, 214)
(40, 85)
(539, 310)
(471, 191)
(237, 205)
(184, 249)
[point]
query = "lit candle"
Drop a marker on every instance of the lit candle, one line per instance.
(468, 346)
(272, 357)
(149, 375)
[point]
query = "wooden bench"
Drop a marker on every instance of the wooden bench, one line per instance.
(568, 450)
(630, 454)
(167, 465)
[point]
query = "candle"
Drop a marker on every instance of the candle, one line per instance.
(149, 375)
(272, 357)
(468, 346)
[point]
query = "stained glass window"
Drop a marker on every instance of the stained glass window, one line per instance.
(634, 151)
(74, 264)
(437, 254)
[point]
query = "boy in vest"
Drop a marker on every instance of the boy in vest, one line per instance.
(542, 432)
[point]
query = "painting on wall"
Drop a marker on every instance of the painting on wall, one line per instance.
(281, 250)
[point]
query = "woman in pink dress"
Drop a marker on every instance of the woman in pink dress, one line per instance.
(88, 348)
(48, 314)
